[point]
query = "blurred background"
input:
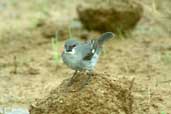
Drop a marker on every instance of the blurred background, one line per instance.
(32, 34)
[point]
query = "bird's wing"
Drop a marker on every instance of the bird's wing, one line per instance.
(89, 49)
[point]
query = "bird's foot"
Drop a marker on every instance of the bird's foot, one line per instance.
(72, 78)
(86, 82)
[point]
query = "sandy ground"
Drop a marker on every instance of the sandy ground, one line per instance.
(28, 71)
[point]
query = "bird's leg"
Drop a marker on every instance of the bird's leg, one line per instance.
(89, 74)
(72, 78)
(74, 75)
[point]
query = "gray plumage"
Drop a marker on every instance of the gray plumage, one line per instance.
(84, 55)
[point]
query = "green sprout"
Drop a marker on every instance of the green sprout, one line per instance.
(166, 58)
(55, 47)
(70, 32)
(162, 113)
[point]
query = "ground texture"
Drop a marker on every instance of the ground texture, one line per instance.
(28, 71)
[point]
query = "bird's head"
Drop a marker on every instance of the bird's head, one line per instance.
(70, 45)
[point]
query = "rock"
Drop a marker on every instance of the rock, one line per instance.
(102, 95)
(116, 16)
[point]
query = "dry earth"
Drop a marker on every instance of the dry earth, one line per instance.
(28, 71)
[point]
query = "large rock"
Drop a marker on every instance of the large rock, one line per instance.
(102, 95)
(115, 15)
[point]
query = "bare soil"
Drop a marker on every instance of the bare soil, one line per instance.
(28, 71)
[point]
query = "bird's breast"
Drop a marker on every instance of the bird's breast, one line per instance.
(71, 60)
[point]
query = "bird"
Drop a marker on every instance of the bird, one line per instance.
(83, 56)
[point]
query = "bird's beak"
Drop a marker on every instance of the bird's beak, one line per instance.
(69, 51)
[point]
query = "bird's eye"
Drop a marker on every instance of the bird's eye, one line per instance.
(73, 46)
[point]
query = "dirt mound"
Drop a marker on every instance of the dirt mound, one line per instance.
(102, 95)
(117, 16)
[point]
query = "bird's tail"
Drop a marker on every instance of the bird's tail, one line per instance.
(104, 37)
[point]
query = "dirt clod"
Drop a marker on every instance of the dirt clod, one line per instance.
(115, 16)
(102, 95)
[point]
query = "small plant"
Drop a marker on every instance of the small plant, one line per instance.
(43, 7)
(55, 47)
(122, 34)
(163, 113)
(70, 32)
(15, 65)
(166, 57)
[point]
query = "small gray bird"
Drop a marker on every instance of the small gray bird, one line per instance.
(83, 56)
